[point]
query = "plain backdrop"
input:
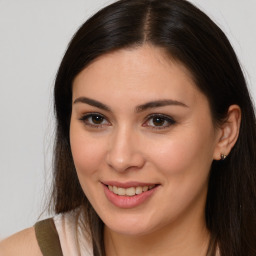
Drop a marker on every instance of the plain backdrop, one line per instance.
(33, 38)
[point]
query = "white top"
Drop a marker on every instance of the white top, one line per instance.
(74, 241)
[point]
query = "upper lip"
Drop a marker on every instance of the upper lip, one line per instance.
(128, 184)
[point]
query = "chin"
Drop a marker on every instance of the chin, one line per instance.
(130, 231)
(131, 226)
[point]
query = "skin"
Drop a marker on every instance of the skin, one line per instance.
(119, 143)
(129, 145)
(22, 243)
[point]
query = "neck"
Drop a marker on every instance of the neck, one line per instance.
(179, 239)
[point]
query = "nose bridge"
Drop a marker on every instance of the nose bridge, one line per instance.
(124, 151)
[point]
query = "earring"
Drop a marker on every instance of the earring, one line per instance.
(222, 157)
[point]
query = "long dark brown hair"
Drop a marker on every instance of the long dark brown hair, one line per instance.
(192, 38)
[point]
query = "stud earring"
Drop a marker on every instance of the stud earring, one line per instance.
(222, 157)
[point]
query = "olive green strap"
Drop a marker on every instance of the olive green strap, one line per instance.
(47, 238)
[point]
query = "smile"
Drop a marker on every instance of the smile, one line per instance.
(131, 191)
(130, 194)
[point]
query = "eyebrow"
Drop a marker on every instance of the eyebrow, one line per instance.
(159, 103)
(140, 108)
(92, 102)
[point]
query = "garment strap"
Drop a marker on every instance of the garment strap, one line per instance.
(47, 238)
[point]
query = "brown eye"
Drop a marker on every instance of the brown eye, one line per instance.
(95, 120)
(159, 121)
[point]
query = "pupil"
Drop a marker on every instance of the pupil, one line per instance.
(158, 121)
(97, 119)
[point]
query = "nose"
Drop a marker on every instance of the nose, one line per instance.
(124, 151)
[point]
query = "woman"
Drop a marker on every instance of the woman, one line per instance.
(155, 140)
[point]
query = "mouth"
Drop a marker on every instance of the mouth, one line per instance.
(130, 191)
(129, 188)
(129, 194)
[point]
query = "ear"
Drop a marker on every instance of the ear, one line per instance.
(228, 132)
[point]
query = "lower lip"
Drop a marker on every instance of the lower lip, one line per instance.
(128, 201)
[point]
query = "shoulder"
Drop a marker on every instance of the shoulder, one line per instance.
(21, 243)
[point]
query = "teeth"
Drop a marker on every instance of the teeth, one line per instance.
(138, 190)
(145, 188)
(132, 191)
(115, 189)
(121, 191)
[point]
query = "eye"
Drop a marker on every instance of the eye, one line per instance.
(94, 120)
(159, 121)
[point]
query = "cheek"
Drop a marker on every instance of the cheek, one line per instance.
(184, 164)
(88, 156)
(186, 153)
(87, 152)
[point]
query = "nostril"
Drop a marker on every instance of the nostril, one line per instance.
(124, 150)
(121, 161)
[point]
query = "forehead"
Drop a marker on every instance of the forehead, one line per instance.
(145, 72)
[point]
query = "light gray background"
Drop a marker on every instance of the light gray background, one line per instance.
(33, 37)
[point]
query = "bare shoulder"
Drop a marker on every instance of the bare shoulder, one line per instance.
(21, 243)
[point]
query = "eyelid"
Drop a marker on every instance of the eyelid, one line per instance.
(167, 118)
(86, 116)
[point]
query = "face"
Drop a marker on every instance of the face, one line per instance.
(143, 141)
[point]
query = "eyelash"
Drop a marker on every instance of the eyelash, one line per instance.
(168, 121)
(86, 117)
